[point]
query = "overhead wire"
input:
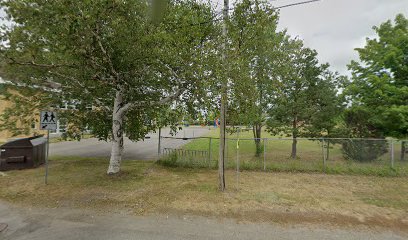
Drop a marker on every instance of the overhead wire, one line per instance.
(216, 19)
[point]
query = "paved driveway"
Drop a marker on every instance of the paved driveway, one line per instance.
(142, 150)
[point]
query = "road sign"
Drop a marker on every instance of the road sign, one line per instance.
(48, 120)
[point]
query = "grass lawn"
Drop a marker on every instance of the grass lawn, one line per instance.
(149, 188)
(277, 152)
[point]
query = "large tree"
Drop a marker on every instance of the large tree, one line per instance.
(299, 94)
(127, 59)
(255, 46)
(328, 105)
(379, 87)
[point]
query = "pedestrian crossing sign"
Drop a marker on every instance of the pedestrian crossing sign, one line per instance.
(48, 120)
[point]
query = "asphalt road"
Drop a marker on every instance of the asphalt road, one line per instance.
(142, 150)
(66, 224)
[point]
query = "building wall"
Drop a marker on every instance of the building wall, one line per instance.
(6, 135)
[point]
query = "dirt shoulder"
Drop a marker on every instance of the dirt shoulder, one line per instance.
(145, 188)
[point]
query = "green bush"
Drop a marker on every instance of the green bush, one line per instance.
(364, 150)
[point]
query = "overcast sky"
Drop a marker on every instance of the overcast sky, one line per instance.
(335, 27)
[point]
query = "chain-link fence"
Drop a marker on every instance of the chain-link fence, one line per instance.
(331, 155)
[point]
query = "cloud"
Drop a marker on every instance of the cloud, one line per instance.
(2, 13)
(335, 27)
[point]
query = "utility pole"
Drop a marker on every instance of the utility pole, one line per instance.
(223, 109)
(224, 89)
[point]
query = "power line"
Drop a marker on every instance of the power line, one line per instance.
(296, 4)
(215, 19)
(291, 4)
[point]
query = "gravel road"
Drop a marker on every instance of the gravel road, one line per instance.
(68, 224)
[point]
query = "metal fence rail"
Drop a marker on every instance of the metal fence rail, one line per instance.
(301, 154)
(186, 153)
(186, 157)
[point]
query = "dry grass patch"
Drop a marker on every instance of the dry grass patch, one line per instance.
(145, 188)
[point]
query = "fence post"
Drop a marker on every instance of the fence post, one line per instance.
(226, 149)
(209, 153)
(324, 156)
(264, 150)
(392, 153)
(159, 145)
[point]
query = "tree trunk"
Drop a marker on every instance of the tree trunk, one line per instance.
(257, 129)
(403, 150)
(294, 148)
(294, 142)
(223, 110)
(117, 135)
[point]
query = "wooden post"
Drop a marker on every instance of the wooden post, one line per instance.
(223, 109)
(237, 158)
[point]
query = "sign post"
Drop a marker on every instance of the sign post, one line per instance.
(48, 121)
(159, 145)
(46, 159)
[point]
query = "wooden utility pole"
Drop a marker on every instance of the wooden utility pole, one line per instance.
(224, 90)
(223, 110)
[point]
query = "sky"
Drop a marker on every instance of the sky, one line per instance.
(336, 27)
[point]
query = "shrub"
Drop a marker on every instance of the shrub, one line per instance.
(364, 150)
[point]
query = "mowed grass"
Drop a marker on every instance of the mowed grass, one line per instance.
(276, 156)
(149, 188)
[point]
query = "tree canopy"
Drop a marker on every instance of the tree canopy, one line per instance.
(379, 87)
(124, 58)
(130, 67)
(254, 47)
